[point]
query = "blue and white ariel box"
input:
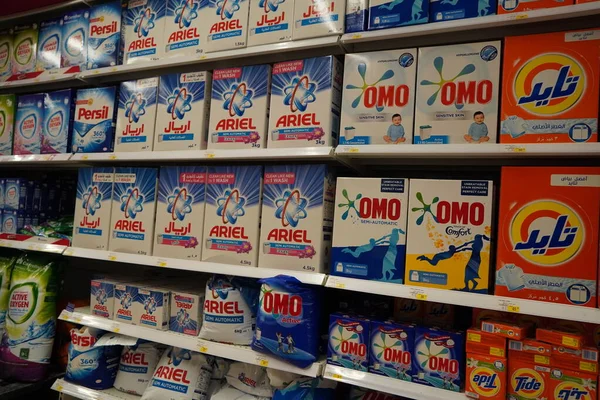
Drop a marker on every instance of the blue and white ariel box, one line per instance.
(446, 10)
(104, 35)
(94, 120)
(184, 28)
(144, 27)
(357, 15)
(75, 35)
(317, 18)
(15, 194)
(151, 307)
(102, 296)
(136, 115)
(225, 24)
(58, 122)
(49, 44)
(388, 14)
(187, 309)
(28, 124)
(270, 21)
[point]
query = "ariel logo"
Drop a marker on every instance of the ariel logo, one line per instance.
(23, 302)
(2, 122)
(74, 42)
(24, 51)
(4, 55)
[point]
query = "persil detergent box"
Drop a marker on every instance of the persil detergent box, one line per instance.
(94, 120)
(7, 120)
(6, 54)
(144, 26)
(93, 204)
(348, 344)
(389, 14)
(270, 21)
(25, 41)
(102, 296)
(297, 213)
(28, 124)
(550, 90)
(76, 25)
(305, 102)
(136, 115)
(369, 228)
(104, 36)
(49, 44)
(232, 215)
(514, 6)
(151, 307)
(183, 109)
(240, 107)
(187, 307)
(58, 122)
(449, 234)
(357, 15)
(183, 28)
(547, 249)
(446, 10)
(225, 24)
(317, 18)
(133, 209)
(379, 97)
(180, 212)
(391, 349)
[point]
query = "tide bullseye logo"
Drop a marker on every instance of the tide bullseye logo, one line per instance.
(527, 383)
(549, 84)
(571, 391)
(485, 382)
(547, 233)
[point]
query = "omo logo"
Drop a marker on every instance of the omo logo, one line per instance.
(92, 200)
(28, 126)
(291, 208)
(54, 124)
(527, 383)
(485, 382)
(270, 5)
(379, 96)
(571, 391)
(237, 99)
(179, 102)
(186, 13)
(231, 206)
(547, 233)
(144, 23)
(180, 204)
(132, 202)
(227, 8)
(299, 93)
(549, 84)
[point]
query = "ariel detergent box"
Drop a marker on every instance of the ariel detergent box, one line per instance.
(348, 344)
(25, 41)
(240, 107)
(270, 21)
(76, 25)
(514, 6)
(28, 123)
(232, 215)
(446, 10)
(6, 54)
(183, 28)
(144, 26)
(182, 113)
(94, 120)
(547, 249)
(369, 229)
(457, 93)
(102, 296)
(180, 212)
(388, 14)
(391, 350)
(187, 310)
(7, 119)
(305, 102)
(136, 115)
(104, 36)
(297, 214)
(550, 93)
(225, 24)
(449, 234)
(317, 18)
(378, 97)
(133, 210)
(49, 44)
(58, 122)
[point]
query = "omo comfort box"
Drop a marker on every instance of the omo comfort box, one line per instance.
(389, 14)
(270, 21)
(94, 120)
(6, 50)
(143, 28)
(104, 36)
(75, 34)
(548, 234)
(28, 124)
(49, 44)
(183, 28)
(136, 115)
(25, 40)
(391, 349)
(348, 344)
(317, 18)
(225, 24)
(550, 93)
(378, 97)
(58, 122)
(514, 6)
(7, 120)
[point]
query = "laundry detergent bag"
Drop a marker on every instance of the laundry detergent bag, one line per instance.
(137, 365)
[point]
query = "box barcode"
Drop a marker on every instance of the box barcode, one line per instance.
(590, 355)
(487, 327)
(515, 345)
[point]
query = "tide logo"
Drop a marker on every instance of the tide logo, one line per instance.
(527, 383)
(549, 84)
(571, 391)
(485, 382)
(547, 233)
(28, 126)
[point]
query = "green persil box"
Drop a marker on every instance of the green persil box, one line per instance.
(6, 48)
(7, 119)
(25, 42)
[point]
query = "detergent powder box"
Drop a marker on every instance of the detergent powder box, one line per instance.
(15, 194)
(378, 97)
(183, 28)
(49, 44)
(391, 350)
(25, 41)
(348, 345)
(12, 221)
(560, 338)
(548, 93)
(180, 212)
(485, 343)
(6, 50)
(144, 26)
(187, 311)
(297, 213)
(58, 122)
(389, 14)
(94, 120)
(240, 107)
(93, 208)
(449, 234)
(133, 209)
(28, 122)
(232, 215)
(136, 115)
(225, 24)
(446, 10)
(104, 35)
(125, 298)
(102, 297)
(317, 18)
(369, 240)
(527, 380)
(357, 15)
(514, 6)
(305, 103)
(7, 120)
(183, 109)
(270, 21)
(486, 377)
(151, 307)
(76, 25)
(457, 93)
(547, 249)
(566, 384)
(408, 310)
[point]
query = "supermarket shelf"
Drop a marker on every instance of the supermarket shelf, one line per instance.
(36, 158)
(33, 246)
(389, 385)
(43, 12)
(310, 278)
(11, 390)
(81, 392)
(232, 352)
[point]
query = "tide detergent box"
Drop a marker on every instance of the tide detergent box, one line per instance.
(94, 120)
(104, 36)
(457, 93)
(548, 234)
(28, 123)
(357, 15)
(317, 18)
(348, 344)
(297, 213)
(183, 109)
(527, 380)
(446, 10)
(180, 212)
(133, 209)
(225, 24)
(513, 6)
(76, 25)
(102, 297)
(369, 229)
(240, 107)
(391, 349)
(25, 41)
(183, 28)
(7, 121)
(93, 205)
(449, 234)
(15, 194)
(232, 215)
(486, 377)
(548, 93)
(136, 115)
(305, 102)
(58, 122)
(438, 358)
(6, 54)
(49, 44)
(378, 97)
(187, 310)
(566, 384)
(144, 26)
(389, 14)
(270, 21)
(151, 307)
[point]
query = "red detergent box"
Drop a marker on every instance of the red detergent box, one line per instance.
(481, 342)
(506, 329)
(566, 384)
(486, 377)
(514, 6)
(527, 380)
(583, 360)
(560, 338)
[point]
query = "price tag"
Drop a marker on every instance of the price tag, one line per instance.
(513, 308)
(112, 257)
(507, 305)
(210, 155)
(114, 69)
(203, 349)
(263, 363)
(116, 329)
(161, 263)
(7, 244)
(84, 157)
(65, 317)
(68, 252)
(516, 149)
(522, 16)
(421, 296)
(59, 388)
(339, 285)
(356, 36)
(202, 57)
(77, 320)
(353, 150)
(112, 157)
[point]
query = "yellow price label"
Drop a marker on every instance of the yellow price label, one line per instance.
(522, 16)
(569, 341)
(340, 285)
(59, 388)
(203, 57)
(541, 359)
(203, 349)
(421, 296)
(84, 157)
(112, 157)
(473, 337)
(96, 72)
(336, 376)
(162, 263)
(513, 308)
(353, 150)
(588, 366)
(112, 257)
(496, 351)
(65, 317)
(114, 69)
(210, 155)
(68, 252)
(263, 363)
(116, 329)
(356, 36)
(77, 320)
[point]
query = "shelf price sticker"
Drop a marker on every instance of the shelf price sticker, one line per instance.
(334, 375)
(112, 157)
(418, 294)
(115, 328)
(515, 149)
(112, 257)
(210, 155)
(161, 262)
(507, 305)
(68, 252)
(202, 346)
(263, 362)
(353, 150)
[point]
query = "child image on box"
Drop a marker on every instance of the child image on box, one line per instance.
(136, 115)
(391, 350)
(143, 28)
(348, 342)
(50, 41)
(389, 14)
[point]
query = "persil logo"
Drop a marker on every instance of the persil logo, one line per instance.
(80, 340)
(527, 383)
(485, 382)
(93, 114)
(97, 29)
(549, 84)
(28, 126)
(291, 208)
(571, 391)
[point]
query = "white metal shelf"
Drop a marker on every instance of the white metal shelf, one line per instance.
(36, 158)
(33, 246)
(81, 392)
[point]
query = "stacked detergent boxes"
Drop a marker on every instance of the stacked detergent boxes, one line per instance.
(136, 115)
(143, 30)
(487, 365)
(183, 28)
(94, 125)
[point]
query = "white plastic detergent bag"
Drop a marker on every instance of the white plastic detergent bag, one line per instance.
(250, 379)
(138, 363)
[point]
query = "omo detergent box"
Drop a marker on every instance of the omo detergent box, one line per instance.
(297, 213)
(446, 10)
(104, 36)
(270, 21)
(548, 234)
(225, 24)
(317, 18)
(391, 349)
(144, 26)
(357, 15)
(369, 228)
(58, 122)
(378, 97)
(182, 113)
(7, 120)
(180, 212)
(240, 107)
(183, 28)
(94, 120)
(388, 14)
(76, 25)
(133, 209)
(457, 93)
(49, 44)
(305, 102)
(550, 93)
(6, 54)
(136, 115)
(25, 41)
(348, 344)
(514, 6)
(486, 377)
(449, 234)
(187, 310)
(28, 124)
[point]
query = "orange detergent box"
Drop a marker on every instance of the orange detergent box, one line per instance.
(590, 332)
(550, 88)
(583, 360)
(584, 1)
(481, 342)
(560, 338)
(530, 350)
(527, 380)
(513, 6)
(486, 377)
(506, 329)
(548, 234)
(564, 384)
